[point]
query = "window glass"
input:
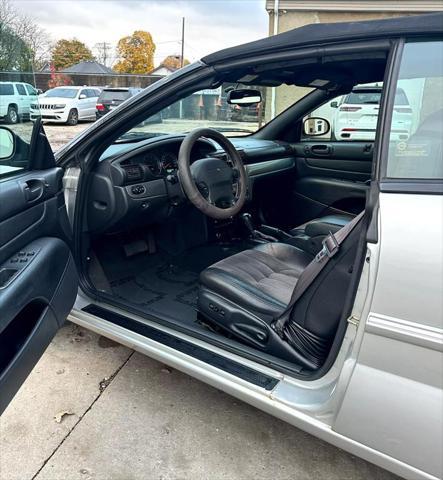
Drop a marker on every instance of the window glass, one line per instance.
(117, 95)
(209, 108)
(31, 90)
(420, 154)
(61, 92)
(15, 125)
(6, 89)
(20, 89)
(352, 117)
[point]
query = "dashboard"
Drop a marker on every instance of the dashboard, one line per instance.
(135, 185)
(160, 160)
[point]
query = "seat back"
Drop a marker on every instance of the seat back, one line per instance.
(315, 316)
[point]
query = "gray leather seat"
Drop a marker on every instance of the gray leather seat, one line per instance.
(244, 294)
(261, 280)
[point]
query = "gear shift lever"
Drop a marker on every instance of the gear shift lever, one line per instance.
(247, 222)
(253, 233)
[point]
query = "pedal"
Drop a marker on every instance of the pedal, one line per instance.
(135, 247)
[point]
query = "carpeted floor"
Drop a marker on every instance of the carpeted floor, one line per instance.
(161, 283)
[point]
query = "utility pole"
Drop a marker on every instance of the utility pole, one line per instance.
(103, 48)
(182, 59)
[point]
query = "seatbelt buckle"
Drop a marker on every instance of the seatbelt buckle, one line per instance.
(330, 248)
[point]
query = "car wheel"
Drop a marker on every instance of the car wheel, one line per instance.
(72, 117)
(12, 115)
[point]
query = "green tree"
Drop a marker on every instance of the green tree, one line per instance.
(23, 43)
(15, 55)
(69, 52)
(174, 61)
(136, 53)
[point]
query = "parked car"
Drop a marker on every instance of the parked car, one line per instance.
(66, 104)
(111, 98)
(356, 117)
(299, 274)
(16, 99)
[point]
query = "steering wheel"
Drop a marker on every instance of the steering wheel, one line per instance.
(211, 184)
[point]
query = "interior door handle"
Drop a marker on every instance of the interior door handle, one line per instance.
(34, 189)
(321, 149)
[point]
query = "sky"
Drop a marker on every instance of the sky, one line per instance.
(210, 25)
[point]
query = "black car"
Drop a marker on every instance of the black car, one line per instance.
(111, 98)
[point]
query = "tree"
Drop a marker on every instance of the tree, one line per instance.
(23, 44)
(15, 55)
(136, 53)
(69, 52)
(174, 62)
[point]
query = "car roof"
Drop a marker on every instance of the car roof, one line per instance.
(321, 33)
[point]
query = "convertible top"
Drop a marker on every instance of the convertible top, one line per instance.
(321, 33)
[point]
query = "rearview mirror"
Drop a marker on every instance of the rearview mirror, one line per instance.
(7, 143)
(244, 97)
(315, 126)
(82, 96)
(334, 104)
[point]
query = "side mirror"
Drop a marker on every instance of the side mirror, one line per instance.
(7, 143)
(82, 96)
(244, 97)
(334, 104)
(316, 126)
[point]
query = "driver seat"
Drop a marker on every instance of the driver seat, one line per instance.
(245, 293)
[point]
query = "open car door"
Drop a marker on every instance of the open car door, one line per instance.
(38, 278)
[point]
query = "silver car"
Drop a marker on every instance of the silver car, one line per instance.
(300, 274)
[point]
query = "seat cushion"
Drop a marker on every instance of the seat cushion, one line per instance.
(260, 280)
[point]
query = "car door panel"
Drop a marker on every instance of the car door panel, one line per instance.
(332, 177)
(38, 278)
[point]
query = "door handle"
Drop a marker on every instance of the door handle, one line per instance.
(34, 189)
(321, 149)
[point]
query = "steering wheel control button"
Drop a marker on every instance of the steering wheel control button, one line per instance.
(138, 190)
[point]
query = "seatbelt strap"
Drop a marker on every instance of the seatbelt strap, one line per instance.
(331, 245)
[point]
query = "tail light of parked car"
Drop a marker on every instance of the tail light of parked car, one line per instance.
(100, 107)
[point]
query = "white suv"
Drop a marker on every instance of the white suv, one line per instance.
(15, 100)
(356, 117)
(66, 104)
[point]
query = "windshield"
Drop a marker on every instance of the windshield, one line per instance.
(209, 108)
(62, 93)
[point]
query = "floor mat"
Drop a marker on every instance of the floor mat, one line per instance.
(163, 284)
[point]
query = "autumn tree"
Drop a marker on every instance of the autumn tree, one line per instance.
(69, 52)
(174, 61)
(136, 53)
